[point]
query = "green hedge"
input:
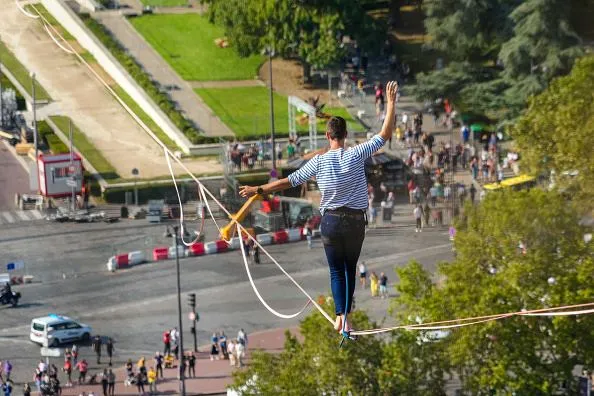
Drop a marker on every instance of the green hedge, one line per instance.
(52, 141)
(150, 191)
(144, 80)
(21, 74)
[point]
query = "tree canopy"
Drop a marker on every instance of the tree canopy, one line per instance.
(556, 132)
(489, 275)
(310, 30)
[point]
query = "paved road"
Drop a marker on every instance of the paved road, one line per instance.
(134, 306)
(13, 179)
(189, 102)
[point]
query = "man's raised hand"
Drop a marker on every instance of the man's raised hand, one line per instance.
(392, 91)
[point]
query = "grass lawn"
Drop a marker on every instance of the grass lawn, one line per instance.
(186, 41)
(86, 148)
(20, 73)
(246, 111)
(40, 9)
(165, 3)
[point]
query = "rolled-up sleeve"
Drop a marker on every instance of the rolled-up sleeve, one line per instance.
(366, 150)
(306, 172)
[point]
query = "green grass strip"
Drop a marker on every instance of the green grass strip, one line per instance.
(86, 148)
(21, 74)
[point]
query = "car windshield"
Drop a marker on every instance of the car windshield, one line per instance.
(38, 326)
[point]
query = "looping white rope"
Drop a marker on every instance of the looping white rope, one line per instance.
(181, 209)
(25, 12)
(51, 35)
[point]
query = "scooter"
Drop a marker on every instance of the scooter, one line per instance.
(11, 298)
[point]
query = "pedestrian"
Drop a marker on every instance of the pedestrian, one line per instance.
(129, 368)
(111, 379)
(159, 363)
(7, 370)
(223, 345)
(141, 366)
(231, 352)
(374, 284)
(175, 341)
(214, 351)
(308, 231)
(418, 213)
(426, 214)
(242, 338)
(68, 370)
(256, 253)
(166, 342)
(109, 349)
(152, 380)
(82, 367)
(363, 274)
(383, 285)
(433, 194)
(340, 175)
(239, 353)
(26, 389)
(472, 192)
(104, 382)
(140, 383)
(74, 350)
(97, 347)
(7, 388)
(182, 367)
(192, 364)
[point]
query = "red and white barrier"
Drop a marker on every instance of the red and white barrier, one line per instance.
(197, 249)
(281, 236)
(181, 252)
(122, 261)
(295, 234)
(136, 257)
(160, 253)
(264, 239)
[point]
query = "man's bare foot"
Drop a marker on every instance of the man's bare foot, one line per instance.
(347, 326)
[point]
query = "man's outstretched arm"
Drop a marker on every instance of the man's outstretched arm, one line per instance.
(388, 127)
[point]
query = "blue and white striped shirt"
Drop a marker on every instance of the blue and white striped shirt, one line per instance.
(340, 175)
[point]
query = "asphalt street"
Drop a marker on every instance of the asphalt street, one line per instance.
(134, 306)
(13, 177)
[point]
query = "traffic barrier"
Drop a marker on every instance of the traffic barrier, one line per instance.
(197, 249)
(294, 234)
(160, 253)
(264, 239)
(136, 257)
(221, 246)
(235, 243)
(280, 237)
(210, 248)
(121, 261)
(180, 252)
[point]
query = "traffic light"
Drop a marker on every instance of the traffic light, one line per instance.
(192, 300)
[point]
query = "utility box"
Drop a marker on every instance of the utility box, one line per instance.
(58, 175)
(155, 210)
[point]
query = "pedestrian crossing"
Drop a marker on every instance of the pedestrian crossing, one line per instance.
(18, 216)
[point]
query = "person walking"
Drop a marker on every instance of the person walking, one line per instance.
(239, 354)
(111, 379)
(192, 364)
(166, 342)
(159, 363)
(97, 347)
(374, 284)
(140, 383)
(27, 389)
(418, 213)
(7, 370)
(340, 174)
(104, 382)
(175, 341)
(82, 367)
(214, 351)
(242, 338)
(231, 353)
(363, 274)
(308, 231)
(223, 345)
(152, 380)
(383, 285)
(68, 370)
(74, 350)
(109, 349)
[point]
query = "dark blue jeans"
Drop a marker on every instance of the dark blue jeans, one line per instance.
(342, 235)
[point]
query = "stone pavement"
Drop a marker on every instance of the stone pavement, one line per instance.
(189, 102)
(212, 377)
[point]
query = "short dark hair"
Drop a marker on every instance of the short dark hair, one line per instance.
(336, 127)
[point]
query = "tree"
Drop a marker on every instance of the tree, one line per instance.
(490, 275)
(555, 133)
(310, 30)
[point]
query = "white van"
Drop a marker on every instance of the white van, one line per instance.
(53, 330)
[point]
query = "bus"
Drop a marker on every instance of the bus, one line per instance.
(517, 183)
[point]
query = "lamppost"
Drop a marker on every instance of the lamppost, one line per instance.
(135, 174)
(270, 52)
(182, 379)
(34, 107)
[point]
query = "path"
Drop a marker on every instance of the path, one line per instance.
(226, 84)
(81, 97)
(191, 105)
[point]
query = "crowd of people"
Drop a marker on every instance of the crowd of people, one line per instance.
(233, 350)
(241, 157)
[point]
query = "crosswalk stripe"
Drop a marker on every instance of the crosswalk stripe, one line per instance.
(21, 214)
(8, 217)
(36, 214)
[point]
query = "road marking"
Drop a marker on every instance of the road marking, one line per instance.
(22, 215)
(8, 217)
(36, 214)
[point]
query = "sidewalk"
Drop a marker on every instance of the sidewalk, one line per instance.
(212, 377)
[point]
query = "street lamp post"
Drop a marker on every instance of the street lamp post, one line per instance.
(182, 380)
(34, 107)
(135, 174)
(270, 53)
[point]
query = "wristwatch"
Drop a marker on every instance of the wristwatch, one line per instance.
(260, 190)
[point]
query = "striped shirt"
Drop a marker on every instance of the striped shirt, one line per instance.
(340, 175)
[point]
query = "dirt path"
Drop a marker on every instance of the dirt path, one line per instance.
(81, 97)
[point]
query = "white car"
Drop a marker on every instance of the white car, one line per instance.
(53, 330)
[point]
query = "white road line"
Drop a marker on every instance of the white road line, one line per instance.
(36, 214)
(21, 214)
(8, 217)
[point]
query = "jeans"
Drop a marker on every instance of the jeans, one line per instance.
(342, 235)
